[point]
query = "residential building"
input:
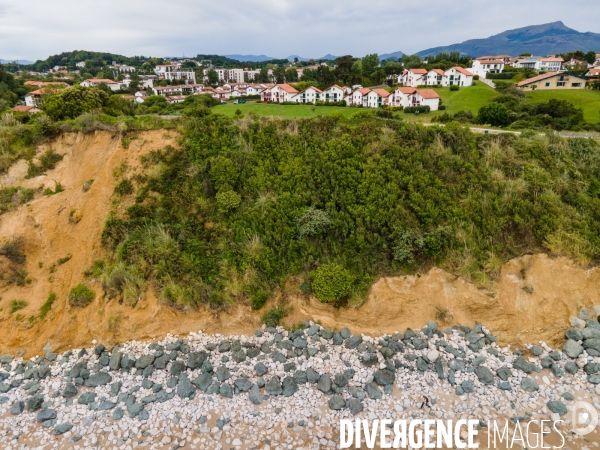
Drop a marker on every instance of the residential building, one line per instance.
(279, 93)
(92, 82)
(530, 62)
(175, 72)
(80, 64)
(487, 64)
(41, 84)
(457, 76)
(413, 77)
(409, 96)
(310, 95)
(550, 64)
(140, 96)
(434, 77)
(175, 98)
(575, 64)
(334, 93)
(166, 91)
(553, 80)
(593, 74)
(426, 97)
(402, 96)
(36, 98)
(376, 98)
(358, 97)
(122, 67)
(28, 109)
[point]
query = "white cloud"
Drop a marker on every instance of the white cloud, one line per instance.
(35, 29)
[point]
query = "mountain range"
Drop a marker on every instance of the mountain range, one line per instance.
(546, 39)
(19, 61)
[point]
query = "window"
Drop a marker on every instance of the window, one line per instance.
(560, 84)
(575, 84)
(547, 84)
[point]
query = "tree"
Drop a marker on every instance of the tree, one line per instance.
(325, 77)
(494, 114)
(343, 69)
(213, 77)
(291, 75)
(279, 74)
(590, 57)
(370, 63)
(331, 282)
(134, 84)
(263, 76)
(72, 102)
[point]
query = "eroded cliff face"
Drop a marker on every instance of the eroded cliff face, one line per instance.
(532, 300)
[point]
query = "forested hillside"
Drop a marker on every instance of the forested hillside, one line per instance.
(338, 202)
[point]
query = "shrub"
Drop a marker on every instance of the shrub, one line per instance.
(16, 305)
(494, 114)
(331, 282)
(417, 109)
(313, 222)
(454, 87)
(273, 316)
(45, 308)
(125, 187)
(228, 201)
(81, 295)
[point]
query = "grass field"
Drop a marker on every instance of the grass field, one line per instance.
(585, 98)
(288, 111)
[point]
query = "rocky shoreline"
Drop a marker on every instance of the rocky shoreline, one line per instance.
(287, 389)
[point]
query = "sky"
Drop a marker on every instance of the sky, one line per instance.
(36, 29)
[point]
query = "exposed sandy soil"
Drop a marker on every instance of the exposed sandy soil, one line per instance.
(533, 299)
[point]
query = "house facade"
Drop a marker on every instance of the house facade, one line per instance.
(402, 96)
(333, 94)
(457, 76)
(413, 77)
(553, 81)
(376, 98)
(93, 82)
(483, 66)
(358, 97)
(279, 93)
(310, 95)
(434, 77)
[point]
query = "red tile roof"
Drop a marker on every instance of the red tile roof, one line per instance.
(287, 88)
(382, 92)
(538, 78)
(463, 71)
(418, 71)
(428, 93)
(22, 108)
(101, 80)
(439, 71)
(364, 91)
(407, 90)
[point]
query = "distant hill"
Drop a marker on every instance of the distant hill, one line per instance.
(250, 58)
(327, 56)
(394, 55)
(545, 39)
(18, 61)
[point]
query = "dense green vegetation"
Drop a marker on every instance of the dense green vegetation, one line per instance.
(246, 203)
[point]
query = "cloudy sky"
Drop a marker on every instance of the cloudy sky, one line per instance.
(35, 29)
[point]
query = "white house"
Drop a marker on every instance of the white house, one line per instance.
(91, 82)
(333, 94)
(434, 77)
(457, 76)
(80, 64)
(413, 77)
(402, 96)
(175, 72)
(140, 97)
(310, 95)
(279, 93)
(358, 97)
(376, 98)
(426, 97)
(175, 99)
(550, 64)
(166, 90)
(487, 64)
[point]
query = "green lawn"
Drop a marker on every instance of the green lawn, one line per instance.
(288, 111)
(471, 98)
(585, 98)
